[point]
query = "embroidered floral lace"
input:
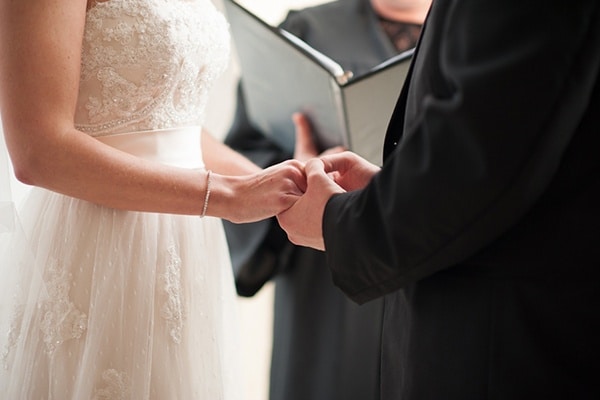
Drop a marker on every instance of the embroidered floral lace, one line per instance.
(149, 64)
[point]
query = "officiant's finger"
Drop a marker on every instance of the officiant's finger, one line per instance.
(305, 147)
(333, 150)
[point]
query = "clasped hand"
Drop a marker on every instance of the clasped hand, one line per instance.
(334, 171)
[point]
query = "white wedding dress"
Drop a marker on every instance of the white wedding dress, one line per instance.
(109, 304)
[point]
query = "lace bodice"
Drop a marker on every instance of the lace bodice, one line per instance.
(149, 64)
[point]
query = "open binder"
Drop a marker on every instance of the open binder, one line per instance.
(281, 74)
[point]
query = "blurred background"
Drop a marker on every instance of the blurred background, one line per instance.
(256, 312)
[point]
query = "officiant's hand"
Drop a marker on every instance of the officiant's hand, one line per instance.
(348, 169)
(305, 147)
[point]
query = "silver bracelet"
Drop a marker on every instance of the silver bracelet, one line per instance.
(207, 194)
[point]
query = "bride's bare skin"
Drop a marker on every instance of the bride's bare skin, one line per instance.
(40, 53)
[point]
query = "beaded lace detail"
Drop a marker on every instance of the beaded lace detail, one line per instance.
(116, 386)
(61, 320)
(13, 335)
(172, 310)
(149, 64)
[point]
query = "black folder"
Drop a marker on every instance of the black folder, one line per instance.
(281, 74)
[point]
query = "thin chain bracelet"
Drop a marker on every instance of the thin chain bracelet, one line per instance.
(207, 194)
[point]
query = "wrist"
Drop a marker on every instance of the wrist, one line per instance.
(222, 197)
(206, 193)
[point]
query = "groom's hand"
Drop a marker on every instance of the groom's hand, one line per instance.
(303, 221)
(349, 170)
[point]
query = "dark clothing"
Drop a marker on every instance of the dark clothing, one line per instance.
(325, 347)
(483, 226)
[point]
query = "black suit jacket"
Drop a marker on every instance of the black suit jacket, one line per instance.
(325, 347)
(483, 226)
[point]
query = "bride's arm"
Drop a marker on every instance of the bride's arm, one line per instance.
(224, 160)
(40, 51)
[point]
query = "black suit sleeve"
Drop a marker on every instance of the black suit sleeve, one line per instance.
(498, 92)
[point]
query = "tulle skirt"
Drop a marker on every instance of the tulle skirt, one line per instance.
(97, 303)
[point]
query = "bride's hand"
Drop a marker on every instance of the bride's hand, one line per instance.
(250, 198)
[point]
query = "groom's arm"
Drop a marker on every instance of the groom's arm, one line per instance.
(487, 125)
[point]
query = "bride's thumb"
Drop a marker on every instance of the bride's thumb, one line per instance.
(317, 177)
(314, 167)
